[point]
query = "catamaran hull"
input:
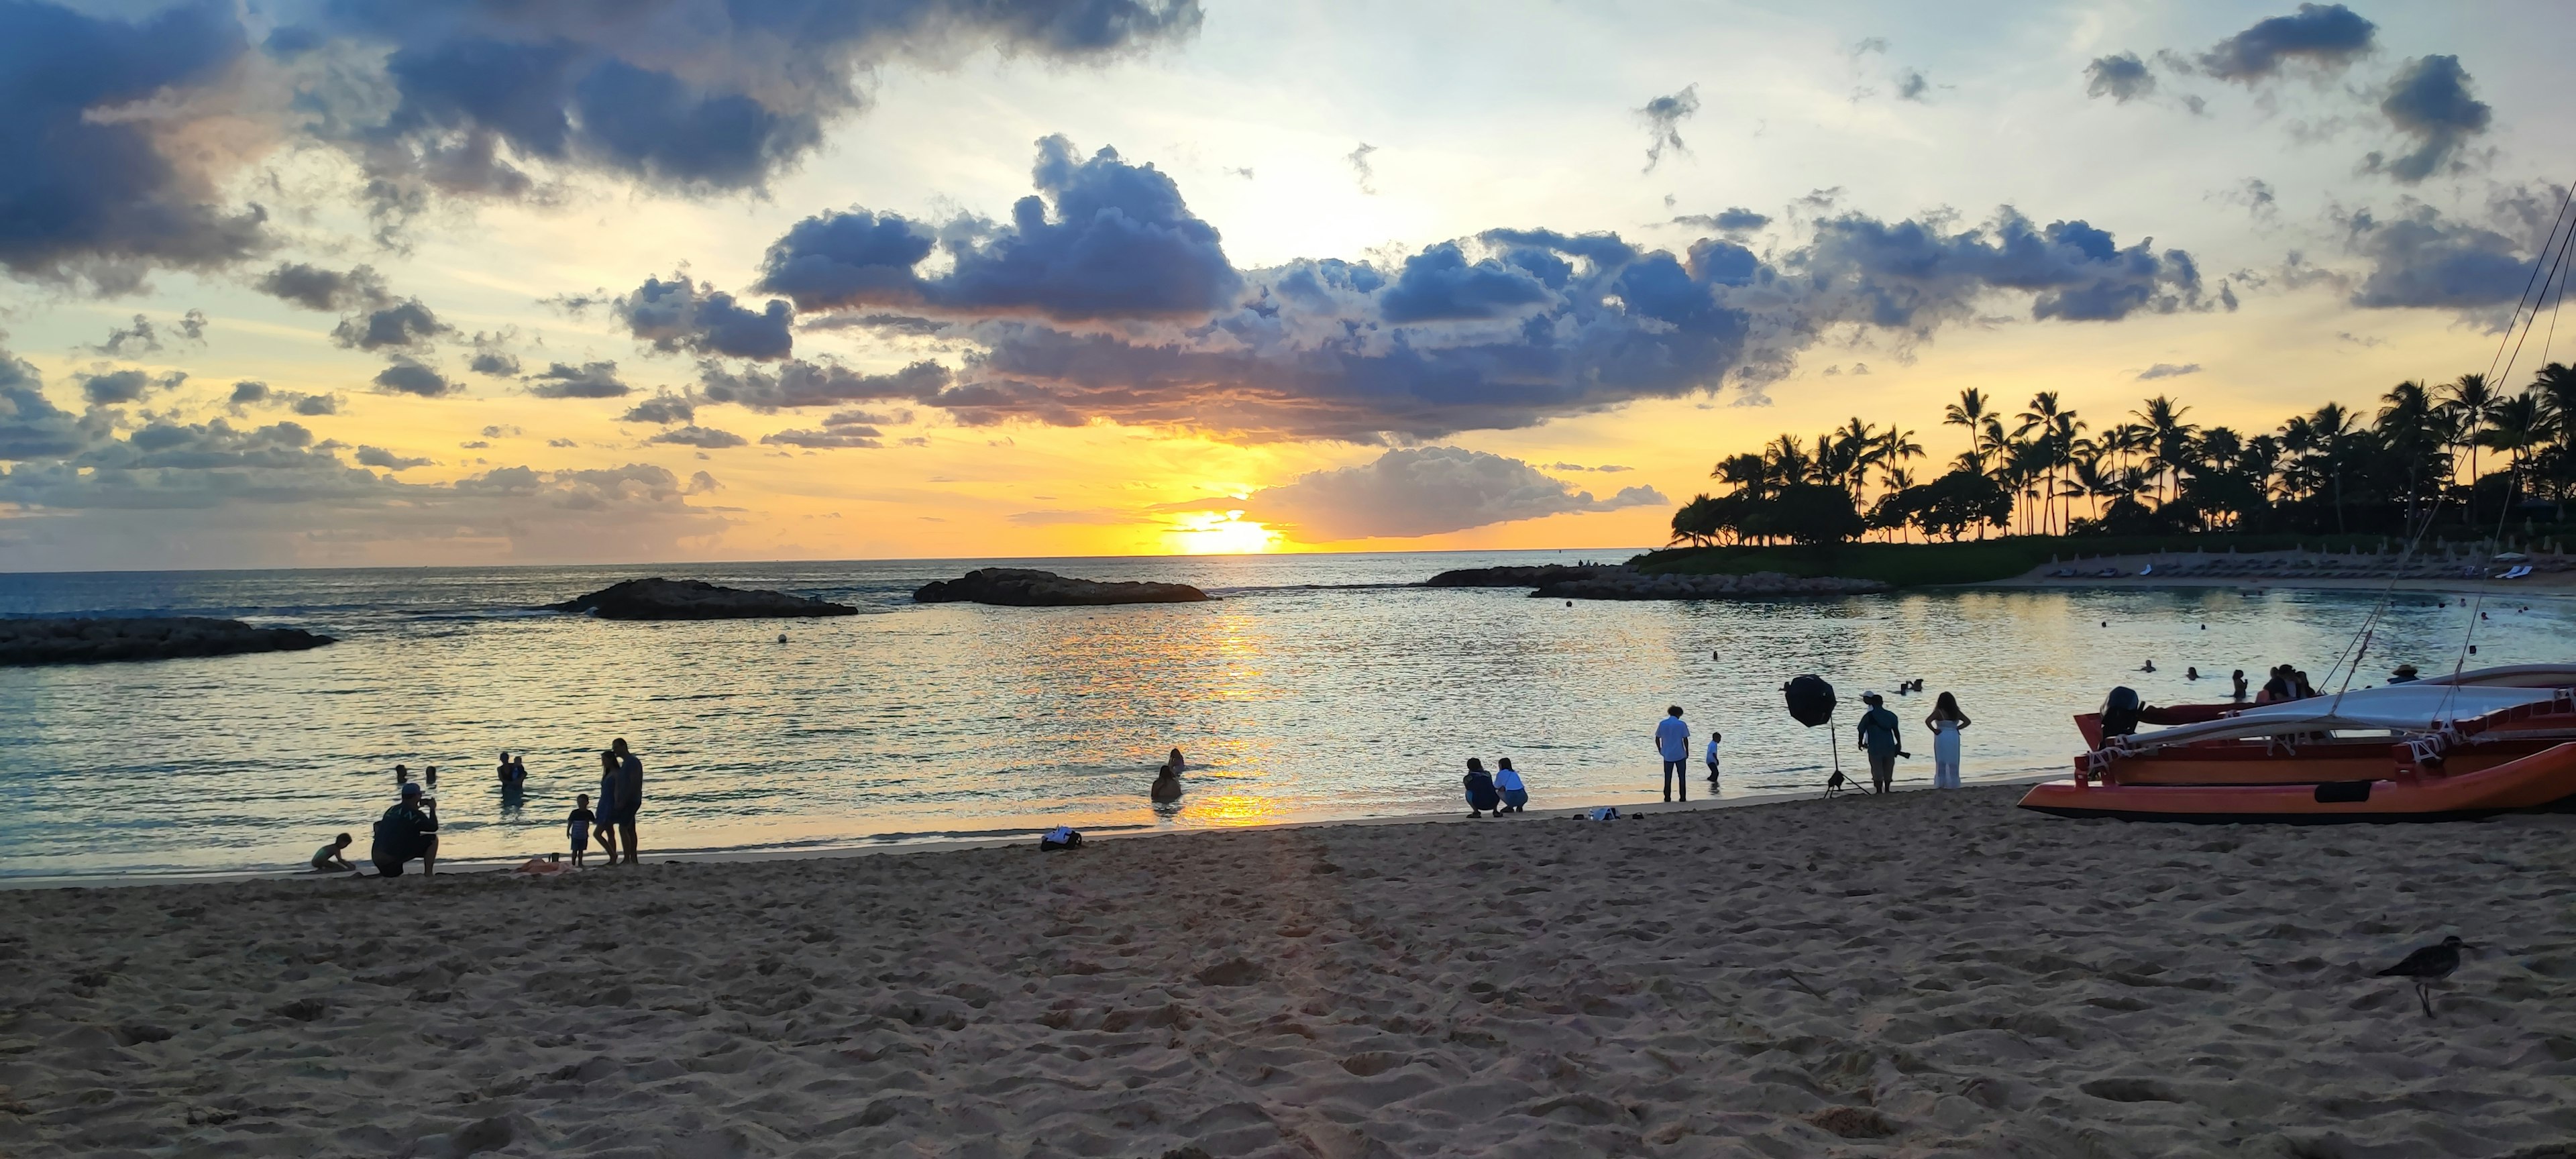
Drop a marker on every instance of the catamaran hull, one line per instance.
(2541, 779)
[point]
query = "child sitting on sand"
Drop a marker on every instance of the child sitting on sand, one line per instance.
(1507, 781)
(328, 860)
(577, 827)
(1481, 794)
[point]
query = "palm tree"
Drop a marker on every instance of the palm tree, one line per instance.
(2472, 404)
(1896, 447)
(1972, 412)
(2168, 441)
(2517, 425)
(2407, 428)
(2329, 432)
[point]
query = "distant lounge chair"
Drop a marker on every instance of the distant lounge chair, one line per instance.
(2150, 569)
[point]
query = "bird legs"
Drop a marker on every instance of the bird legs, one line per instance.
(2424, 994)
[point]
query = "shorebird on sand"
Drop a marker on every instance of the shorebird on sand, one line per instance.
(2428, 965)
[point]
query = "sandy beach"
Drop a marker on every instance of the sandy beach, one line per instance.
(1923, 974)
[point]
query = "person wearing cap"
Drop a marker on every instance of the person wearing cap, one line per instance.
(2405, 674)
(408, 830)
(1878, 738)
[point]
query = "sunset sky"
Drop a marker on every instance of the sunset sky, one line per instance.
(297, 283)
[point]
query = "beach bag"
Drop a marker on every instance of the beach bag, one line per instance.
(1603, 813)
(1061, 837)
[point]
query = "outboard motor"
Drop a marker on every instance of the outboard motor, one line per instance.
(2120, 712)
(1811, 700)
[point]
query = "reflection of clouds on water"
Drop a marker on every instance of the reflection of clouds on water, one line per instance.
(1291, 701)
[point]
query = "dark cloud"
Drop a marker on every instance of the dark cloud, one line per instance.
(1440, 284)
(1105, 239)
(406, 376)
(492, 357)
(387, 460)
(588, 380)
(560, 444)
(32, 427)
(703, 438)
(2168, 370)
(192, 326)
(119, 387)
(1907, 275)
(248, 393)
(1358, 159)
(317, 288)
(663, 408)
(404, 325)
(892, 418)
(2429, 100)
(1606, 468)
(2420, 258)
(2122, 77)
(680, 315)
(313, 404)
(905, 325)
(1423, 491)
(1663, 117)
(502, 432)
(1735, 221)
(803, 384)
(1911, 86)
(2328, 36)
(138, 337)
(89, 197)
(829, 438)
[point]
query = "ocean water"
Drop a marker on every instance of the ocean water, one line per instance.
(1315, 687)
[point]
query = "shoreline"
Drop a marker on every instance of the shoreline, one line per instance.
(2538, 585)
(838, 851)
(1931, 972)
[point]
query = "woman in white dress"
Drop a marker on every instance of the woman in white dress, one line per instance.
(1945, 722)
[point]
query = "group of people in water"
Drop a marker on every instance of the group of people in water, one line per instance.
(408, 830)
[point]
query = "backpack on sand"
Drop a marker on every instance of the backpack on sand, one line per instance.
(1061, 837)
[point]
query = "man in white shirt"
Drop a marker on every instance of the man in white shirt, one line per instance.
(1672, 740)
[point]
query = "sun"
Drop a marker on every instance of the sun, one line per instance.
(1210, 533)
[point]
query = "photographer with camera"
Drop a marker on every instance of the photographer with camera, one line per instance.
(408, 830)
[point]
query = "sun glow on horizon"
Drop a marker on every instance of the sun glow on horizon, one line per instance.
(1219, 533)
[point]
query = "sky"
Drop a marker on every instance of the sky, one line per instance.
(296, 283)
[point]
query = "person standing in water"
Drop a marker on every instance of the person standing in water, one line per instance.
(1878, 738)
(1945, 722)
(2239, 681)
(1711, 757)
(1672, 742)
(630, 793)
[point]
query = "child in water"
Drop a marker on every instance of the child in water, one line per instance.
(1713, 737)
(1481, 794)
(328, 860)
(1507, 781)
(577, 827)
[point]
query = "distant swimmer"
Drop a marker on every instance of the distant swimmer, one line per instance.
(1167, 785)
(2149, 666)
(2191, 673)
(1176, 763)
(782, 637)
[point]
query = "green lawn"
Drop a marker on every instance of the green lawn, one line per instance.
(1918, 564)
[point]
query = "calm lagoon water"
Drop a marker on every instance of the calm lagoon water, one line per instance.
(1316, 687)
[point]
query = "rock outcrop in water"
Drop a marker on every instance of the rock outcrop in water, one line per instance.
(1020, 587)
(670, 599)
(1620, 582)
(91, 641)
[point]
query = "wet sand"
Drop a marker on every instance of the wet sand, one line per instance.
(1923, 974)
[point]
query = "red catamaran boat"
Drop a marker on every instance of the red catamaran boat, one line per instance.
(2470, 745)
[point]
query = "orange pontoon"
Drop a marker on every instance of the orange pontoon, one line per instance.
(2411, 793)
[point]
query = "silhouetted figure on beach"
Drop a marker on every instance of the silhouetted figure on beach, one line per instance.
(1507, 781)
(407, 832)
(1878, 737)
(1672, 742)
(514, 775)
(630, 793)
(1946, 722)
(328, 859)
(605, 816)
(1481, 794)
(2239, 680)
(577, 827)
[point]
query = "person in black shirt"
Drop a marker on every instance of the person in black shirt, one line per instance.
(408, 830)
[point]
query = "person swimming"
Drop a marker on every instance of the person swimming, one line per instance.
(1167, 784)
(2149, 666)
(2192, 673)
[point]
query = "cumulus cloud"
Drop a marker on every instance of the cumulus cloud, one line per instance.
(320, 288)
(1423, 491)
(387, 460)
(588, 380)
(681, 315)
(703, 438)
(1504, 329)
(828, 438)
(2121, 76)
(2327, 36)
(248, 393)
(664, 408)
(2168, 370)
(2429, 100)
(403, 325)
(119, 387)
(1912, 86)
(90, 197)
(407, 376)
(492, 357)
(1663, 117)
(1103, 239)
(137, 337)
(31, 426)
(2421, 258)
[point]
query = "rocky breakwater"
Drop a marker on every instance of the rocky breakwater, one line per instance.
(1624, 584)
(1019, 587)
(92, 641)
(670, 599)
(1522, 577)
